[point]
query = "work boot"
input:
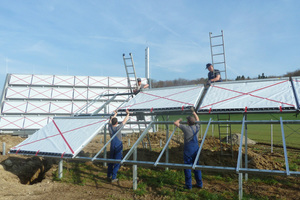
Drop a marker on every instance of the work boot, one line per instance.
(114, 180)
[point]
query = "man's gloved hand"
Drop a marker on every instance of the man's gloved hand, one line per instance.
(208, 82)
(192, 109)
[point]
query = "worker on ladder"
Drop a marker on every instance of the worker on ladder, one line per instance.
(139, 86)
(213, 74)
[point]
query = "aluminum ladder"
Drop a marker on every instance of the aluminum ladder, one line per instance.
(130, 71)
(217, 49)
(225, 135)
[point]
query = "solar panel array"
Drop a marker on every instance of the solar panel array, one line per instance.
(31, 101)
(61, 137)
(260, 95)
(165, 99)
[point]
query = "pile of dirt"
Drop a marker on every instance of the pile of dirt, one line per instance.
(28, 170)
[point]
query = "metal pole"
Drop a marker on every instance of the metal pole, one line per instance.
(239, 161)
(167, 137)
(106, 143)
(60, 168)
(246, 148)
(147, 67)
(105, 131)
(165, 147)
(199, 151)
(3, 149)
(134, 170)
(136, 143)
(201, 130)
(284, 148)
(271, 138)
(240, 186)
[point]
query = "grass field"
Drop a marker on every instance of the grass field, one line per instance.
(257, 132)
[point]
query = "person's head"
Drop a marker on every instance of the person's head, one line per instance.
(139, 81)
(210, 67)
(114, 121)
(191, 120)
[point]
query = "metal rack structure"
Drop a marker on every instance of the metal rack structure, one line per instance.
(30, 101)
(274, 96)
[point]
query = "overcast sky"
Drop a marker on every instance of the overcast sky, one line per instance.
(88, 38)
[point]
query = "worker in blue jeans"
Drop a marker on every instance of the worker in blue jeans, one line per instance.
(191, 146)
(116, 145)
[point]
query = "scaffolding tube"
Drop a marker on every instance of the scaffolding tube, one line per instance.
(137, 143)
(107, 102)
(284, 148)
(108, 141)
(240, 148)
(165, 147)
(202, 142)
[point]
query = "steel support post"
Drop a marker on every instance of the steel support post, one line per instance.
(240, 186)
(167, 137)
(239, 161)
(271, 138)
(60, 168)
(3, 149)
(134, 170)
(287, 168)
(246, 147)
(105, 130)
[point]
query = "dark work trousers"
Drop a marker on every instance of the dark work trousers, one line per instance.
(189, 156)
(116, 149)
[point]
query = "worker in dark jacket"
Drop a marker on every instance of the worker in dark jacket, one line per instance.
(213, 74)
(116, 145)
(191, 146)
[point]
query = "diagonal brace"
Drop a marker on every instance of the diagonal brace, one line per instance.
(108, 142)
(202, 142)
(240, 148)
(284, 148)
(165, 147)
(137, 143)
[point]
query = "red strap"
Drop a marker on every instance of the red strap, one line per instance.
(209, 110)
(62, 155)
(37, 152)
(18, 151)
(280, 108)
(63, 136)
(246, 109)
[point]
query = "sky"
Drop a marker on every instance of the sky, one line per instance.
(88, 38)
